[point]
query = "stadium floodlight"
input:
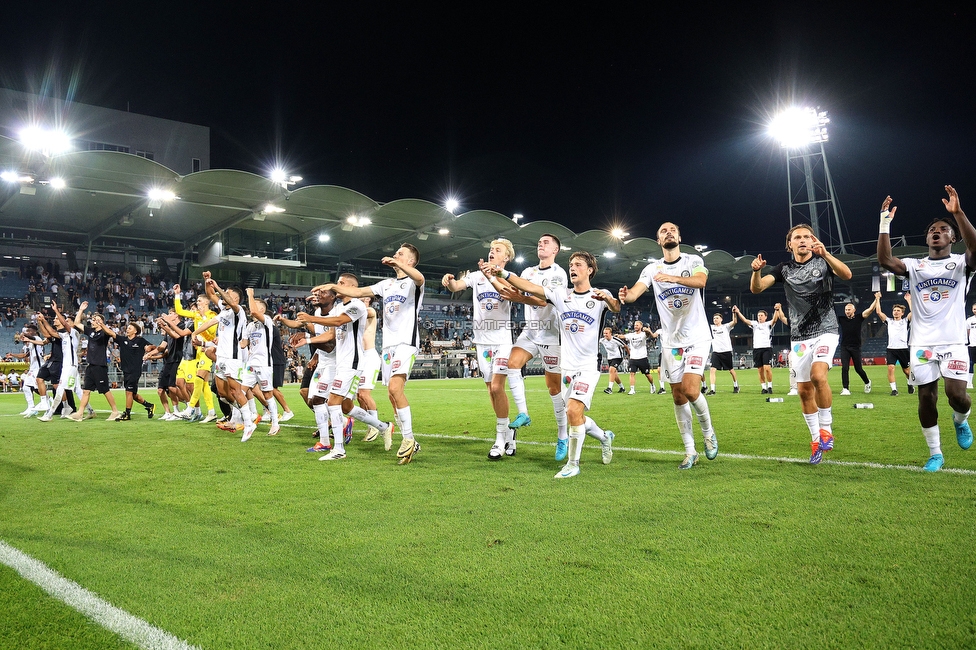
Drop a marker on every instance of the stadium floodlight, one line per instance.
(519, 259)
(157, 194)
(518, 216)
(324, 238)
(282, 178)
(564, 247)
(610, 254)
(701, 248)
(451, 205)
(289, 249)
(48, 142)
(271, 208)
(57, 183)
(443, 231)
(798, 127)
(618, 233)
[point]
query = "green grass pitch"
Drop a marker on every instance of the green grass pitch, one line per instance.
(259, 545)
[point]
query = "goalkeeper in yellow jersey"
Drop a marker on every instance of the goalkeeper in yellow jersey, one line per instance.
(200, 314)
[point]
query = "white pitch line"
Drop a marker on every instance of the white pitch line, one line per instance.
(778, 459)
(129, 627)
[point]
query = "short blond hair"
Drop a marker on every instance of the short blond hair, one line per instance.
(507, 245)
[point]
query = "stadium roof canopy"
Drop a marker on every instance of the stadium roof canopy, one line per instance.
(236, 218)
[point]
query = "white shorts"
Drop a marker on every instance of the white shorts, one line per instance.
(345, 383)
(493, 360)
(29, 379)
(398, 360)
(259, 376)
(548, 353)
(805, 353)
(70, 378)
(322, 380)
(229, 369)
(675, 362)
(932, 361)
(369, 369)
(580, 386)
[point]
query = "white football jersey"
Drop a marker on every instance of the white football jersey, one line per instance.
(540, 322)
(681, 308)
(971, 326)
(230, 330)
(721, 339)
(580, 320)
(259, 336)
(69, 347)
(637, 343)
(898, 333)
(612, 348)
(762, 335)
(349, 336)
(325, 358)
(401, 300)
(938, 289)
(492, 315)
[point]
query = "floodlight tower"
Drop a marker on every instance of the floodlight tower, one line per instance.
(802, 133)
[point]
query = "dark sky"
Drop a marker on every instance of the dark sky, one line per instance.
(584, 115)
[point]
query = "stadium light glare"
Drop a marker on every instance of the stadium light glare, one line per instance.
(519, 259)
(443, 231)
(798, 127)
(451, 205)
(618, 233)
(271, 208)
(289, 249)
(518, 216)
(324, 238)
(610, 254)
(48, 142)
(57, 183)
(157, 194)
(278, 175)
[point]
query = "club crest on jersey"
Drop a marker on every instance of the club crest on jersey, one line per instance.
(590, 304)
(950, 266)
(686, 274)
(817, 273)
(924, 356)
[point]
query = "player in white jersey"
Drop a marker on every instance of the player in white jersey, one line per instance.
(257, 340)
(492, 326)
(401, 299)
(370, 368)
(678, 282)
(348, 322)
(229, 367)
(971, 326)
(70, 379)
(31, 353)
(580, 311)
(722, 350)
(613, 352)
(321, 370)
(898, 340)
(938, 338)
(539, 338)
(762, 342)
(637, 352)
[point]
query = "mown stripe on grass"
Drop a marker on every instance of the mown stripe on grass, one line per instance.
(777, 459)
(129, 627)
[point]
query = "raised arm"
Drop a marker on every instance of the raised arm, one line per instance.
(80, 316)
(343, 290)
(518, 283)
(840, 269)
(966, 229)
(736, 312)
(757, 282)
(885, 257)
(328, 321)
(178, 306)
(411, 272)
(874, 306)
(778, 314)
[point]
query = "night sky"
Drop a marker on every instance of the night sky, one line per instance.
(582, 115)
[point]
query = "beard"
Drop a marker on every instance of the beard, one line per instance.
(669, 245)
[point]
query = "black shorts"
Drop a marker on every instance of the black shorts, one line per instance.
(50, 373)
(131, 382)
(642, 366)
(722, 360)
(615, 363)
(278, 375)
(167, 376)
(96, 378)
(762, 357)
(900, 355)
